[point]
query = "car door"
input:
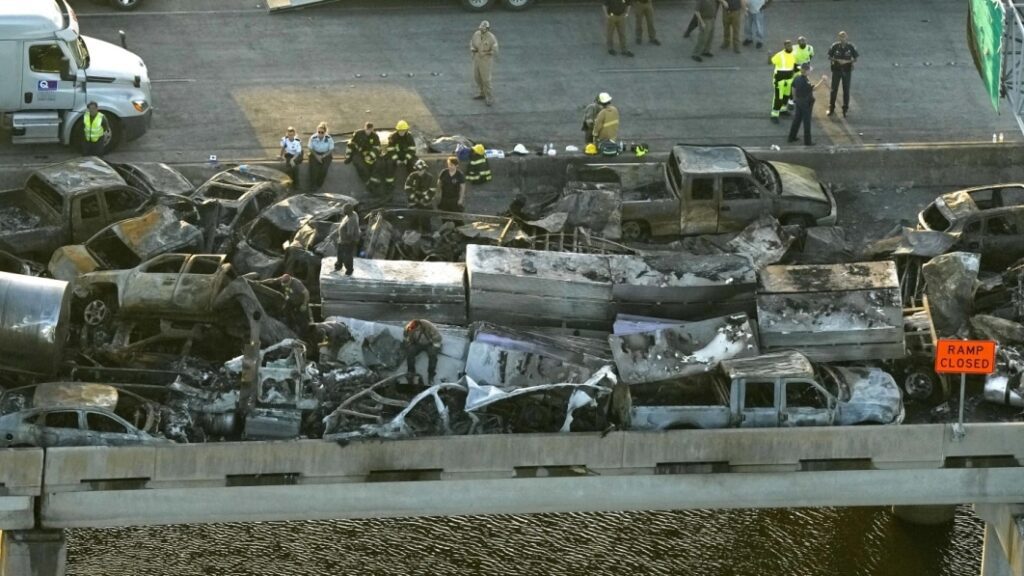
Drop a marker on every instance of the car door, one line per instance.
(742, 203)
(109, 431)
(760, 404)
(198, 284)
(63, 428)
(87, 216)
(1003, 239)
(41, 86)
(698, 212)
(806, 403)
(149, 289)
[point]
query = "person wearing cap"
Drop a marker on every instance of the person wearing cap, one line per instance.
(644, 12)
(421, 336)
(291, 154)
(589, 115)
(615, 14)
(347, 240)
(321, 153)
(402, 146)
(419, 193)
(96, 130)
(484, 47)
(479, 171)
(803, 99)
(606, 123)
(362, 150)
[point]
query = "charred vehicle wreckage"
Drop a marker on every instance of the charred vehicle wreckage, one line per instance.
(216, 313)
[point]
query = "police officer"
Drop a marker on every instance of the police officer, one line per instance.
(803, 99)
(419, 193)
(363, 149)
(291, 154)
(97, 131)
(484, 47)
(421, 336)
(479, 171)
(785, 64)
(321, 153)
(841, 55)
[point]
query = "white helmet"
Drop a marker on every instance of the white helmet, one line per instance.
(604, 97)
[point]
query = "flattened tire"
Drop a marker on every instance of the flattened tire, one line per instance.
(478, 5)
(516, 5)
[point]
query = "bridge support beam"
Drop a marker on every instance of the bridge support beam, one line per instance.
(33, 553)
(925, 515)
(1003, 553)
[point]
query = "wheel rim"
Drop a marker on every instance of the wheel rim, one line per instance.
(126, 3)
(918, 386)
(632, 231)
(96, 312)
(478, 3)
(517, 3)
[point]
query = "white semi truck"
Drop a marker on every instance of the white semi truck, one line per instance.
(50, 72)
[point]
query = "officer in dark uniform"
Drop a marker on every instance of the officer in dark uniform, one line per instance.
(803, 100)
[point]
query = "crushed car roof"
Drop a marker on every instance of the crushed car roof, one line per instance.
(711, 159)
(789, 363)
(80, 174)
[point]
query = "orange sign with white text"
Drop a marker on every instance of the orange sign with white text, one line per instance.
(965, 357)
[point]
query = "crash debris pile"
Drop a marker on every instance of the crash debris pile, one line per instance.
(832, 312)
(395, 290)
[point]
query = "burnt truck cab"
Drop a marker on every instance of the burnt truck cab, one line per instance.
(988, 220)
(712, 190)
(782, 389)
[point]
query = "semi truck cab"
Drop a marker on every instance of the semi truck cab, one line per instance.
(51, 73)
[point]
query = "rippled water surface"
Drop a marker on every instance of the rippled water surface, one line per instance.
(832, 542)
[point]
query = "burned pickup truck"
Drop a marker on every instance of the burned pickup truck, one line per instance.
(772, 390)
(709, 190)
(63, 204)
(988, 220)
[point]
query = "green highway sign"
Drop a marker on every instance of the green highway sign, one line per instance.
(985, 37)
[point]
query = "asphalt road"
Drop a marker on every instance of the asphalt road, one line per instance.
(229, 77)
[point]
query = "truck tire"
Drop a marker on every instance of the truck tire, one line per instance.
(478, 5)
(635, 231)
(125, 4)
(516, 5)
(116, 134)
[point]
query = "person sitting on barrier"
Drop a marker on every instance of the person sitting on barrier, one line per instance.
(331, 335)
(421, 336)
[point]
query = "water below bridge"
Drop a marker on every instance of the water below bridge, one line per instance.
(797, 542)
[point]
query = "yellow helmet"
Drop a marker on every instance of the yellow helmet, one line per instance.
(590, 149)
(478, 149)
(402, 125)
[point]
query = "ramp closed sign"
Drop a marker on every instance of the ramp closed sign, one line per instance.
(965, 357)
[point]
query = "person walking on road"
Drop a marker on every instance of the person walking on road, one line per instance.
(97, 130)
(803, 99)
(731, 25)
(784, 62)
(606, 123)
(841, 55)
(484, 47)
(363, 150)
(589, 115)
(291, 154)
(347, 241)
(615, 14)
(705, 13)
(451, 182)
(753, 26)
(643, 11)
(321, 153)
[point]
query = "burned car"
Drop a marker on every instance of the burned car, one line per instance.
(265, 239)
(154, 178)
(184, 286)
(233, 198)
(988, 220)
(781, 389)
(70, 426)
(127, 244)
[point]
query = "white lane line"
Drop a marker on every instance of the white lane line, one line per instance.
(171, 80)
(173, 13)
(683, 69)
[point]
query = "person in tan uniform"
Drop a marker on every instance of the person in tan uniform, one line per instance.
(643, 10)
(606, 124)
(484, 46)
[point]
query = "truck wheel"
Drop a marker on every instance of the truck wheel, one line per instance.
(99, 309)
(477, 5)
(922, 385)
(116, 134)
(515, 5)
(797, 219)
(125, 4)
(634, 231)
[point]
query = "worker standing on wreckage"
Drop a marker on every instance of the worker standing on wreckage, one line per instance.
(421, 336)
(419, 194)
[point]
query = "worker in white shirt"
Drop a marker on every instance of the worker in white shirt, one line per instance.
(291, 153)
(321, 152)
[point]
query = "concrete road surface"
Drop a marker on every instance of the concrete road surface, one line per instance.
(228, 77)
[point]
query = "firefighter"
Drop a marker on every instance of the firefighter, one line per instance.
(419, 193)
(363, 150)
(782, 80)
(402, 146)
(421, 336)
(479, 170)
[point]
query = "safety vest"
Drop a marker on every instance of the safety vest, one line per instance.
(479, 170)
(784, 61)
(803, 54)
(93, 127)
